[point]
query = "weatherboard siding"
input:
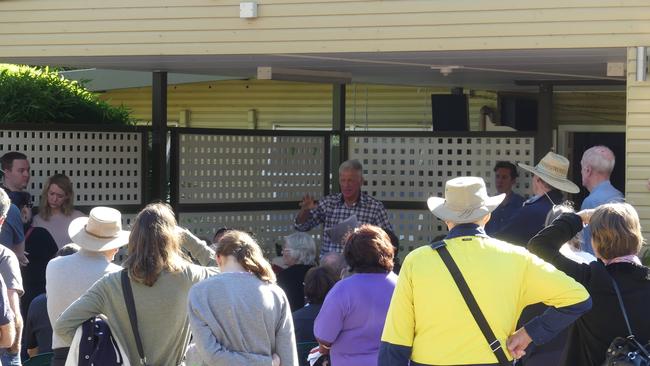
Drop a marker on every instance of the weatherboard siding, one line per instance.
(172, 27)
(638, 143)
(225, 104)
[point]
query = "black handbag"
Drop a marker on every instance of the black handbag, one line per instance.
(492, 341)
(626, 351)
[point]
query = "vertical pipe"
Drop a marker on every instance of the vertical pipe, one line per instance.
(641, 63)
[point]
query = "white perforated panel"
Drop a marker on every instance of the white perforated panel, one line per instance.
(267, 227)
(104, 167)
(231, 168)
(415, 228)
(415, 168)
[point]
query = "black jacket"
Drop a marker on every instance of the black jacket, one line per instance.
(291, 281)
(590, 335)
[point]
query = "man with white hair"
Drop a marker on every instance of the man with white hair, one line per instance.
(333, 209)
(597, 165)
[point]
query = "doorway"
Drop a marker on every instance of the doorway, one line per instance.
(581, 141)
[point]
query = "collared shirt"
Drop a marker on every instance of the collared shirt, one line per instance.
(507, 209)
(530, 219)
(428, 320)
(603, 193)
(332, 210)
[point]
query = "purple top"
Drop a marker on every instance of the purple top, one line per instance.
(352, 317)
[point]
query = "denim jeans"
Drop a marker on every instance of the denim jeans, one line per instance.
(9, 359)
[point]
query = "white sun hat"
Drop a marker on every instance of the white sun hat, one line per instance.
(466, 200)
(99, 232)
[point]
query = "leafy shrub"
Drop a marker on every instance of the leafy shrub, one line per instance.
(39, 95)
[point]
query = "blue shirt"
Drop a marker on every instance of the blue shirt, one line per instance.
(530, 219)
(12, 232)
(502, 214)
(603, 193)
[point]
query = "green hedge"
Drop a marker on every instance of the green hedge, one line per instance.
(40, 95)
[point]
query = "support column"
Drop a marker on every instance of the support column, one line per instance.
(339, 148)
(544, 137)
(159, 136)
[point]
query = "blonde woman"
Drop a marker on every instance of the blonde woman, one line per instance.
(56, 210)
(616, 239)
(241, 317)
(160, 277)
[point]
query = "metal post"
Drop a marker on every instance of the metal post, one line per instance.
(159, 136)
(544, 137)
(339, 153)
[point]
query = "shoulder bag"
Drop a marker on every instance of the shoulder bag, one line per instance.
(133, 317)
(464, 289)
(626, 351)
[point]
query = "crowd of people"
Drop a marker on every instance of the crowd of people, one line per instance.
(515, 280)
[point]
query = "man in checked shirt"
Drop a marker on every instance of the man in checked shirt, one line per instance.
(337, 207)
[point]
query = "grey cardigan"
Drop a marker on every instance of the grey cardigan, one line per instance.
(239, 320)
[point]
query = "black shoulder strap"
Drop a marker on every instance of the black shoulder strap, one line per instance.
(464, 289)
(133, 317)
(642, 349)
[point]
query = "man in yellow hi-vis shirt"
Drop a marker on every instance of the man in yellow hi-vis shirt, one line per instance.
(429, 322)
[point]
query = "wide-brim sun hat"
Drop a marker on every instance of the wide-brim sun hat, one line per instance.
(100, 231)
(466, 200)
(554, 170)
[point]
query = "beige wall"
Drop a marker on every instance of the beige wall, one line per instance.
(589, 108)
(195, 27)
(638, 142)
(226, 104)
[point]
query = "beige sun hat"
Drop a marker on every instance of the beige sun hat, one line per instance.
(554, 170)
(466, 200)
(100, 231)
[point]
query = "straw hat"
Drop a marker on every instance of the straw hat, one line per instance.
(553, 169)
(466, 200)
(100, 231)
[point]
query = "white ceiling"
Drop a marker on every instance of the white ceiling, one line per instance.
(496, 70)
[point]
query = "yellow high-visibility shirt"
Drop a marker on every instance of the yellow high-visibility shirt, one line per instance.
(428, 313)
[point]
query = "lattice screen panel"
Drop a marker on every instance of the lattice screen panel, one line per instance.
(268, 227)
(231, 168)
(104, 167)
(415, 168)
(415, 228)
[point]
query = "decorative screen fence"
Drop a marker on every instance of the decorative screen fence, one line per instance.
(247, 180)
(105, 166)
(253, 180)
(403, 171)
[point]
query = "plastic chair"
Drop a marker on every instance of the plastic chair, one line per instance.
(303, 351)
(43, 359)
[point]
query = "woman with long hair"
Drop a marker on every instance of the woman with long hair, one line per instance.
(241, 317)
(56, 210)
(160, 277)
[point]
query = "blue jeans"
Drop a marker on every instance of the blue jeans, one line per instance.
(9, 359)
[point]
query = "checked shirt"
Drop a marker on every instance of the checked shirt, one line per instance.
(331, 210)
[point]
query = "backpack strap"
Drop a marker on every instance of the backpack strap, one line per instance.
(133, 317)
(493, 342)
